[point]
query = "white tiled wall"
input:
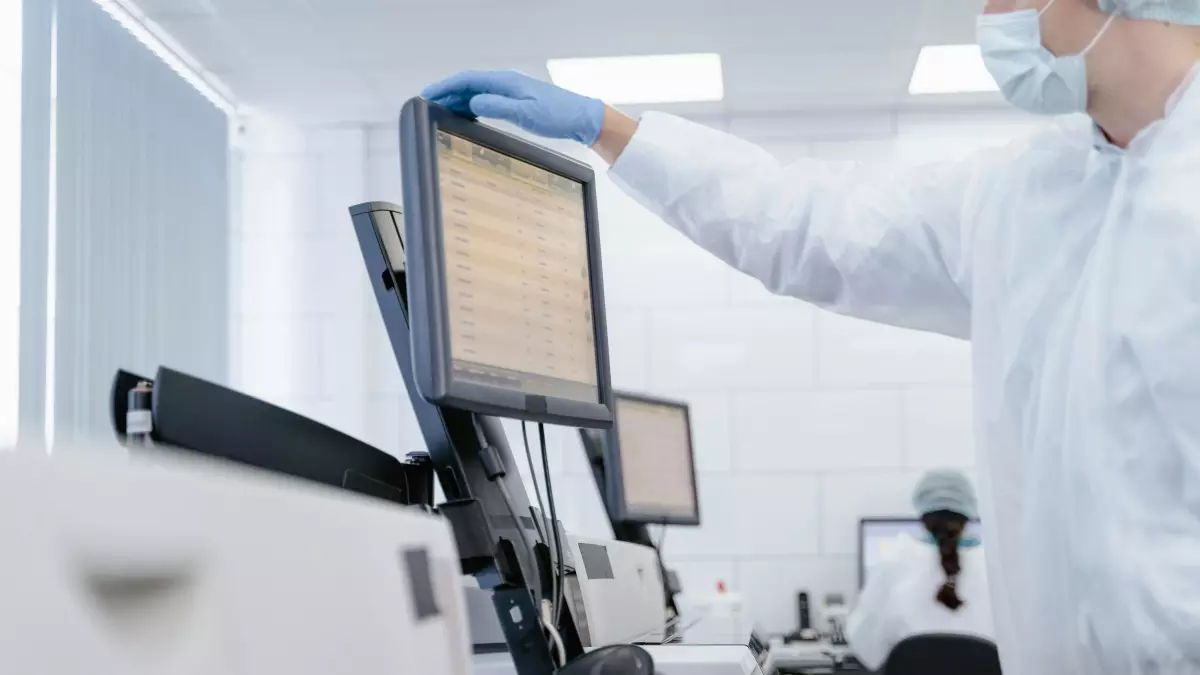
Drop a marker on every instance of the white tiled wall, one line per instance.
(804, 421)
(817, 430)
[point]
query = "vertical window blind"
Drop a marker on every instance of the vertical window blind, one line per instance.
(10, 215)
(128, 256)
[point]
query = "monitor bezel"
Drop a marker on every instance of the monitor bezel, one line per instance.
(621, 510)
(432, 357)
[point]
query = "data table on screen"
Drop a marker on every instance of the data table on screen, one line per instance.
(517, 279)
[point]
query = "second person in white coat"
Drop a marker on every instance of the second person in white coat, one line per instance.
(937, 584)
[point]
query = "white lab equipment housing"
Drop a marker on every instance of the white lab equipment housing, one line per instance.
(184, 567)
(621, 589)
(617, 590)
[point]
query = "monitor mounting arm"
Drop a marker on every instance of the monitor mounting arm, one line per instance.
(486, 501)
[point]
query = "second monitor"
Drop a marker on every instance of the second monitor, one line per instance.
(651, 472)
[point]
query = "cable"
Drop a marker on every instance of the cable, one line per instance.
(542, 532)
(533, 476)
(553, 515)
(545, 619)
(561, 577)
(662, 536)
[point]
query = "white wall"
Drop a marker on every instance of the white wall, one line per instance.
(804, 421)
(300, 329)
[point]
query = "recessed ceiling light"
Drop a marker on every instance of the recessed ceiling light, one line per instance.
(950, 69)
(665, 78)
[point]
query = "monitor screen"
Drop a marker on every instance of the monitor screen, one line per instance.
(657, 474)
(880, 537)
(518, 284)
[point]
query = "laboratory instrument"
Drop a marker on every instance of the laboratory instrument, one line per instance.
(618, 589)
(174, 563)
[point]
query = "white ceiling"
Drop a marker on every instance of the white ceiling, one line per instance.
(329, 61)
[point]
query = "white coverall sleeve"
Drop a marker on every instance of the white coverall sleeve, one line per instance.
(889, 248)
(871, 629)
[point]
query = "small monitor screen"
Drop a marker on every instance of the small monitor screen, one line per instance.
(880, 539)
(518, 285)
(656, 458)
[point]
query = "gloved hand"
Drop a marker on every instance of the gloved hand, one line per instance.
(535, 106)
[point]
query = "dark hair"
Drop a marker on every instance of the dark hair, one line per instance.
(947, 529)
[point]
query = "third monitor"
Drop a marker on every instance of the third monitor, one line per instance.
(650, 471)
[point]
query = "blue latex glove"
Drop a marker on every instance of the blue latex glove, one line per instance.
(535, 106)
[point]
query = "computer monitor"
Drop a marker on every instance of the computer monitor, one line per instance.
(505, 290)
(878, 536)
(650, 466)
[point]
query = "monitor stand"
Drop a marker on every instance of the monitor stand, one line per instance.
(475, 467)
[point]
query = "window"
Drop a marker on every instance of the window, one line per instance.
(10, 215)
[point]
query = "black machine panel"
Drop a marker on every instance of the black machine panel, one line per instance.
(193, 414)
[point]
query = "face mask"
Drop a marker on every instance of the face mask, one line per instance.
(1030, 76)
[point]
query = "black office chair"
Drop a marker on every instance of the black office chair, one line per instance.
(937, 654)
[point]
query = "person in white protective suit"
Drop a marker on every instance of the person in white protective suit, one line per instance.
(938, 584)
(1071, 261)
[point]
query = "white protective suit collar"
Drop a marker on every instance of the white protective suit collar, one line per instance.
(1187, 91)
